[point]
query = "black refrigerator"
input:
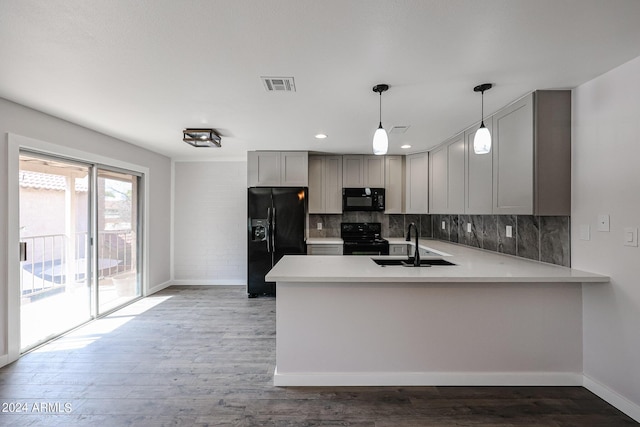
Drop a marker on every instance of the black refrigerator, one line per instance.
(276, 228)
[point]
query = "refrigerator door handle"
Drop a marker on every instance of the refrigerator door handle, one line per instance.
(273, 233)
(268, 230)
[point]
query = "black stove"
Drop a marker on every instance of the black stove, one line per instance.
(363, 238)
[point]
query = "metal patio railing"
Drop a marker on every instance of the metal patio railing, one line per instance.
(47, 268)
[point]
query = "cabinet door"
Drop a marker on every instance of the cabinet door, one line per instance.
(353, 171)
(417, 166)
(294, 169)
(513, 159)
(394, 184)
(438, 186)
(263, 168)
(455, 175)
(374, 171)
(479, 176)
(317, 193)
(333, 184)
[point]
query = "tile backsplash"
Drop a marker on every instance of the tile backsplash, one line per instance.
(541, 238)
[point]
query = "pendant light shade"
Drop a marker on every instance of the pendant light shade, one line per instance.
(380, 138)
(380, 141)
(482, 141)
(482, 138)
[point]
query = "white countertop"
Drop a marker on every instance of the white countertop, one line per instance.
(473, 265)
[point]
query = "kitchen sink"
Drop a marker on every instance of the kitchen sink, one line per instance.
(409, 262)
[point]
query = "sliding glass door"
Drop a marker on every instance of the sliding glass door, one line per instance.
(79, 244)
(117, 244)
(54, 223)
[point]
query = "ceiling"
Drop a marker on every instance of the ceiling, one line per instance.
(142, 70)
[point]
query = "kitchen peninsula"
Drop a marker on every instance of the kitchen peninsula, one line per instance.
(488, 320)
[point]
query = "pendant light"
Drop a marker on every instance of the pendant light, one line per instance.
(482, 139)
(380, 138)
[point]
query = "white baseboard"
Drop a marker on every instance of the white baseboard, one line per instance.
(232, 282)
(4, 360)
(428, 379)
(611, 397)
(159, 287)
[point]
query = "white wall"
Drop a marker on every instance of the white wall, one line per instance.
(210, 222)
(23, 121)
(606, 180)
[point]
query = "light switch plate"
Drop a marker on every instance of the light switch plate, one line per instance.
(585, 232)
(319, 225)
(603, 223)
(509, 231)
(630, 236)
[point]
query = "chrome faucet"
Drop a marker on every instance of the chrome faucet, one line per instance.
(416, 255)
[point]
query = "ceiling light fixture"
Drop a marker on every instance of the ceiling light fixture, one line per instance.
(482, 139)
(202, 137)
(380, 138)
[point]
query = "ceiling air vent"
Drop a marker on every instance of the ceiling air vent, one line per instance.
(399, 129)
(279, 84)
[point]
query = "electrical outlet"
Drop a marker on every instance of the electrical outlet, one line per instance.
(319, 225)
(444, 225)
(509, 231)
(603, 223)
(468, 227)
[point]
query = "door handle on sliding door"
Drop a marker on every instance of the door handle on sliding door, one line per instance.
(23, 251)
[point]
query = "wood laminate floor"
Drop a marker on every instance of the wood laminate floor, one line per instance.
(204, 356)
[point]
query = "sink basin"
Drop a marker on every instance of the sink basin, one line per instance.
(409, 262)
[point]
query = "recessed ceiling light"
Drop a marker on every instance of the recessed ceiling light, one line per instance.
(321, 136)
(405, 146)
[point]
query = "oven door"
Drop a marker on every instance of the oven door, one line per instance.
(361, 248)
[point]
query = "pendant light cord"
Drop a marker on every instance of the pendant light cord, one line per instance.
(482, 109)
(381, 109)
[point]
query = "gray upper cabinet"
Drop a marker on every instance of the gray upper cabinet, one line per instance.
(512, 148)
(532, 155)
(417, 183)
(446, 179)
(394, 184)
(479, 175)
(277, 169)
(294, 169)
(363, 171)
(438, 189)
(325, 184)
(374, 171)
(353, 171)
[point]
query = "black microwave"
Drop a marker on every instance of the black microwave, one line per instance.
(363, 199)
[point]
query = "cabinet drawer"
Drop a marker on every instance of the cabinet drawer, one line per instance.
(397, 249)
(324, 249)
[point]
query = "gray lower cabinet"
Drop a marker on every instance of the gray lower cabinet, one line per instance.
(417, 183)
(325, 184)
(398, 249)
(320, 249)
